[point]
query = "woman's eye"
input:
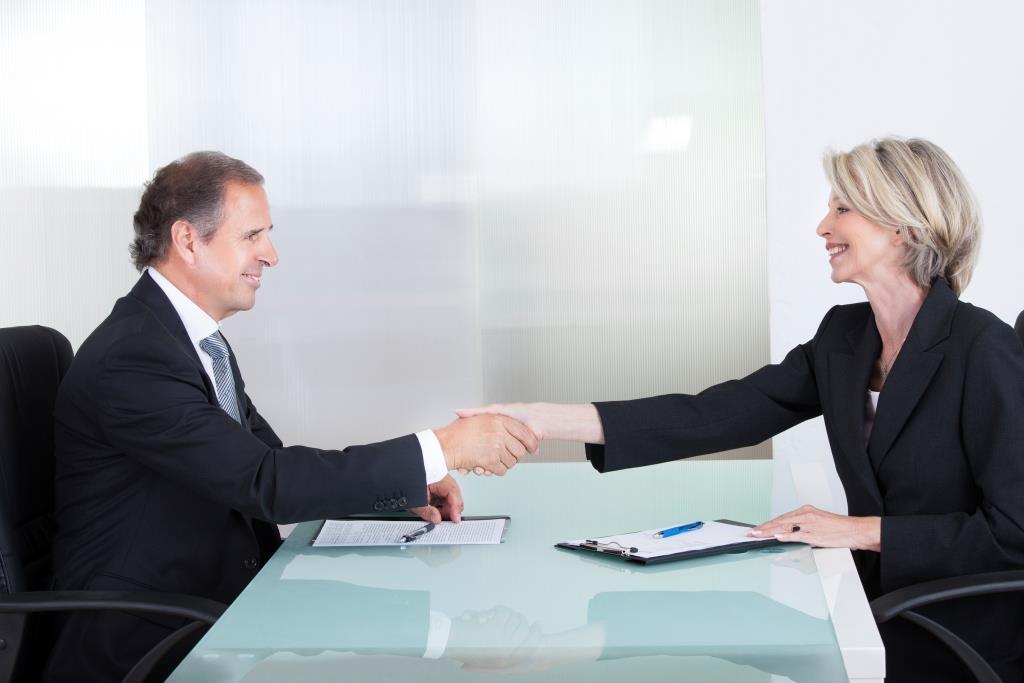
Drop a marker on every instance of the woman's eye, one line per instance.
(840, 210)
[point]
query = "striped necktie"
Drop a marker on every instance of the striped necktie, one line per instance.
(222, 376)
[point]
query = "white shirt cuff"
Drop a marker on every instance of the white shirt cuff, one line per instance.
(437, 635)
(433, 458)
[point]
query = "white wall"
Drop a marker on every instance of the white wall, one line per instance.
(837, 73)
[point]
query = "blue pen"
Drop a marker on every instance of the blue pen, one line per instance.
(679, 530)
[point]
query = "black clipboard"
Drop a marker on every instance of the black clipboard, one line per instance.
(624, 553)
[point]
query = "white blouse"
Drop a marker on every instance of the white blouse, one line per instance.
(869, 414)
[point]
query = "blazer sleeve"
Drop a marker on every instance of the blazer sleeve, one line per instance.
(733, 414)
(917, 548)
(153, 406)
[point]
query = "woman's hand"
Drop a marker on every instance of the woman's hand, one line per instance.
(808, 524)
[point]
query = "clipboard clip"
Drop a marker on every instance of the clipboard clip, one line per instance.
(610, 548)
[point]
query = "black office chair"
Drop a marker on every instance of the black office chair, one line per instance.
(33, 361)
(902, 603)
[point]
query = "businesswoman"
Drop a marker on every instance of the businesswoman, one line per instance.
(922, 397)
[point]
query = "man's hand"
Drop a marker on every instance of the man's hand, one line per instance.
(444, 502)
(494, 443)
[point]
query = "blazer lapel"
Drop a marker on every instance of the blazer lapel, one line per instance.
(912, 371)
(849, 373)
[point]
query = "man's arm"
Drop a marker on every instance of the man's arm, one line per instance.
(153, 406)
(261, 429)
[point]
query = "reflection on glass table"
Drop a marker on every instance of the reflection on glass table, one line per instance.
(524, 610)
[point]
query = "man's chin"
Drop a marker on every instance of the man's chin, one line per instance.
(241, 306)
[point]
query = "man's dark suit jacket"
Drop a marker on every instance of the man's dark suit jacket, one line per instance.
(157, 488)
(943, 468)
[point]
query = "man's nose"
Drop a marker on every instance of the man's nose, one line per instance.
(269, 256)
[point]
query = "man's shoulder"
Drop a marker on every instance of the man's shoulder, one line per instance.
(129, 318)
(131, 327)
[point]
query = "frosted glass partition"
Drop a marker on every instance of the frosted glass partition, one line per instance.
(473, 201)
(73, 156)
(621, 205)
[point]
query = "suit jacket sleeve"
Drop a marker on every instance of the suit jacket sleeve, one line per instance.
(261, 429)
(153, 406)
(733, 414)
(921, 547)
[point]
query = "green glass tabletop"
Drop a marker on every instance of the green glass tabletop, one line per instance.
(524, 610)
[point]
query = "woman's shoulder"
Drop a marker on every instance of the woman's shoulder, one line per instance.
(970, 321)
(843, 319)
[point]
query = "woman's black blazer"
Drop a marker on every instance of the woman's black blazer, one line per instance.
(944, 465)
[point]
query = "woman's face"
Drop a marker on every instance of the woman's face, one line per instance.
(858, 250)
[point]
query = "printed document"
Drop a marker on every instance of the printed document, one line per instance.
(376, 532)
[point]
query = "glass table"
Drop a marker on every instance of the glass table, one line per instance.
(524, 610)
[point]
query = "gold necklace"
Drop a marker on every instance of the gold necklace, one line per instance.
(892, 359)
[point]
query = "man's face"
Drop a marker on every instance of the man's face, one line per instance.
(228, 268)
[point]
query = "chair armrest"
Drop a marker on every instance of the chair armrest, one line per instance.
(169, 604)
(898, 601)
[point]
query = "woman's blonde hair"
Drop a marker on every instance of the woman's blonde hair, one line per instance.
(911, 185)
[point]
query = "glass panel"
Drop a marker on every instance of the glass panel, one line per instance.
(621, 199)
(474, 201)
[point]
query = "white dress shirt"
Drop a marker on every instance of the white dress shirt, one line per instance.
(199, 325)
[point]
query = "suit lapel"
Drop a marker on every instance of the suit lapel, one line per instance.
(849, 373)
(149, 293)
(912, 371)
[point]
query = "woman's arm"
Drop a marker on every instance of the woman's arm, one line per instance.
(559, 421)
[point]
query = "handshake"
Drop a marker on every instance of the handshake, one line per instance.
(485, 443)
(493, 438)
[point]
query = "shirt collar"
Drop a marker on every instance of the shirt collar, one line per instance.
(198, 324)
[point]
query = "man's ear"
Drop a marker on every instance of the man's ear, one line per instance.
(184, 240)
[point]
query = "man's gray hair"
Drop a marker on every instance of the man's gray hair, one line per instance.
(189, 189)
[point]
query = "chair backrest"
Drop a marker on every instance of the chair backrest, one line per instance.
(33, 361)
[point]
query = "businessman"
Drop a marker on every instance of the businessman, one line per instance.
(168, 478)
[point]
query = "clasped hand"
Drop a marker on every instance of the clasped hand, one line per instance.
(494, 443)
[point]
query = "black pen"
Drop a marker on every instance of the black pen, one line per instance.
(410, 537)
